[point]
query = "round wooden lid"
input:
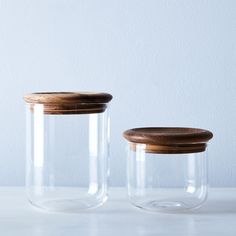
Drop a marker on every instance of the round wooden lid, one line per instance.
(69, 102)
(67, 98)
(169, 139)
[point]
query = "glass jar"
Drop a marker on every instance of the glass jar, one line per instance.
(67, 150)
(167, 168)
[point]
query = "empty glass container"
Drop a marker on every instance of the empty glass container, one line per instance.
(67, 150)
(167, 168)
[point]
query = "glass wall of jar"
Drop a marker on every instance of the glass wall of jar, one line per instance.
(167, 168)
(67, 150)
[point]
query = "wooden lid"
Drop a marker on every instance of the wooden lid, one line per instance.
(169, 139)
(69, 102)
(67, 98)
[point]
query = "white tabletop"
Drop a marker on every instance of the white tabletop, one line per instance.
(117, 217)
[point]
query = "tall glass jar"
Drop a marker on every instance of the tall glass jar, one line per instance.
(67, 150)
(167, 168)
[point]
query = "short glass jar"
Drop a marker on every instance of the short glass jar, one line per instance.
(167, 168)
(67, 150)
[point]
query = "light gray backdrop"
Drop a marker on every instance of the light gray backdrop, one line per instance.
(166, 62)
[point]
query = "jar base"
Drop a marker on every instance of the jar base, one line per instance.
(68, 205)
(167, 206)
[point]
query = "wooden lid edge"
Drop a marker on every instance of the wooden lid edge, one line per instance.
(67, 109)
(175, 135)
(170, 149)
(67, 97)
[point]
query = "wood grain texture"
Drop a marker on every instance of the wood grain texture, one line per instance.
(69, 109)
(65, 103)
(67, 98)
(171, 149)
(169, 139)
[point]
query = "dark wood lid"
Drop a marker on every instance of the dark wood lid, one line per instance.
(67, 98)
(169, 139)
(69, 102)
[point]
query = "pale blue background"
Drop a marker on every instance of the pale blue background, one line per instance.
(166, 62)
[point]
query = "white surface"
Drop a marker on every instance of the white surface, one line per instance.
(117, 217)
(167, 63)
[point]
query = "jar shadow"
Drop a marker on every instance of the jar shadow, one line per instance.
(211, 207)
(217, 207)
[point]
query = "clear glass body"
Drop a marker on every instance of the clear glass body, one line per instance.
(166, 182)
(67, 159)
